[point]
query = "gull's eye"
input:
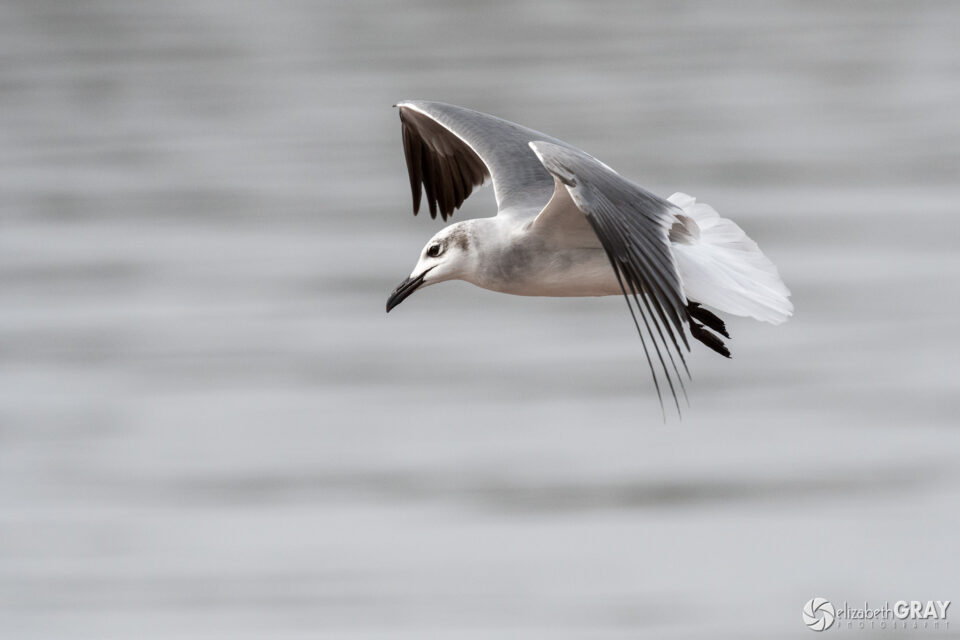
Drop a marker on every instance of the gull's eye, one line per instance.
(434, 250)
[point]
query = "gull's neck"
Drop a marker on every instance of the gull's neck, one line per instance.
(509, 256)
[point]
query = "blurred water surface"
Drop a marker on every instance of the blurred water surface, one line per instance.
(210, 429)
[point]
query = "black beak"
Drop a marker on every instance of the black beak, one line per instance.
(404, 289)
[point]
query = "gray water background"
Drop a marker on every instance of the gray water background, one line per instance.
(210, 429)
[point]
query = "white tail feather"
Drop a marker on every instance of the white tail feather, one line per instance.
(726, 270)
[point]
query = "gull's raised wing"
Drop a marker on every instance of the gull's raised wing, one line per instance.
(451, 150)
(633, 226)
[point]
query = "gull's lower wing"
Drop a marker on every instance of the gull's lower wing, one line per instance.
(451, 150)
(633, 225)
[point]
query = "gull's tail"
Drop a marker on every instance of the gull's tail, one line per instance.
(723, 268)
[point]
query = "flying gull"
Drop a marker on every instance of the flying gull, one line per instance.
(569, 225)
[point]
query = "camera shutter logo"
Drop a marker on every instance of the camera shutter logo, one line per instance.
(819, 614)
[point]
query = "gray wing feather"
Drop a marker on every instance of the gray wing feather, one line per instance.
(633, 225)
(451, 150)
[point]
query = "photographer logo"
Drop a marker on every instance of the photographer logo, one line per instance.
(818, 614)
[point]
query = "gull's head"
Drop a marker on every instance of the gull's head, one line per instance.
(447, 256)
